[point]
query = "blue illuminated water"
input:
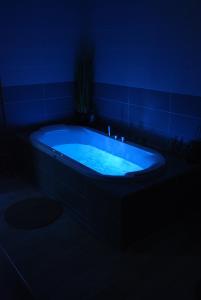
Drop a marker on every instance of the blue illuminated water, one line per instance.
(101, 161)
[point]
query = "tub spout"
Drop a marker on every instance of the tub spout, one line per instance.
(108, 130)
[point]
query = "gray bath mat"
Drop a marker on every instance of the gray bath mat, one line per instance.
(33, 213)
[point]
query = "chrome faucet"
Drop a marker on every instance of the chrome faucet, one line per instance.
(108, 130)
(115, 136)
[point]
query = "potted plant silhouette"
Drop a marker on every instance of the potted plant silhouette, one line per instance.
(84, 86)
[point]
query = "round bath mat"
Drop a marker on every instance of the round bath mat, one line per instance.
(33, 213)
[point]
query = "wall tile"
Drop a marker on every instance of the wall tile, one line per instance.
(112, 110)
(163, 114)
(186, 104)
(60, 89)
(133, 94)
(113, 92)
(26, 105)
(23, 92)
(149, 118)
(60, 116)
(149, 98)
(184, 127)
(54, 106)
(24, 113)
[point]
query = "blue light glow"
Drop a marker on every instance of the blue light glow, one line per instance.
(101, 161)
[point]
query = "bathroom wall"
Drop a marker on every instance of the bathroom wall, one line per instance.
(148, 65)
(37, 53)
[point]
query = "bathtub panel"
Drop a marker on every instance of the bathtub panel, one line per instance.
(96, 208)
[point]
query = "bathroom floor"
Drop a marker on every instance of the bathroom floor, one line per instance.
(63, 261)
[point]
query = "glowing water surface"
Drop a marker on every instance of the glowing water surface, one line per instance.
(101, 161)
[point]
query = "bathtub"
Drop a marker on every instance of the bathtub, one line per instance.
(95, 154)
(107, 200)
